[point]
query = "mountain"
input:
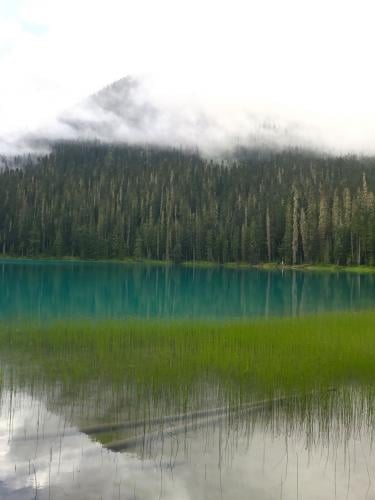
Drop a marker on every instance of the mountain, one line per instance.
(127, 111)
(117, 112)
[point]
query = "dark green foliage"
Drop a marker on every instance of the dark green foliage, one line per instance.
(91, 201)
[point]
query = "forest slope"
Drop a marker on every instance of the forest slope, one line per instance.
(91, 200)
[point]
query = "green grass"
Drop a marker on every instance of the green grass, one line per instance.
(136, 369)
(200, 263)
(126, 260)
(262, 357)
(209, 264)
(321, 267)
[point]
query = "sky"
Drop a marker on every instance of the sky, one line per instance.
(296, 64)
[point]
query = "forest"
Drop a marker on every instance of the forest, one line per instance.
(114, 201)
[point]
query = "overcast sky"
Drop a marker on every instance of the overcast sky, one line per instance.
(296, 61)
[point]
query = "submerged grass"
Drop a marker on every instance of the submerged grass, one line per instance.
(315, 374)
(261, 357)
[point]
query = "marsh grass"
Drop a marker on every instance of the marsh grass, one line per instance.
(317, 372)
(254, 358)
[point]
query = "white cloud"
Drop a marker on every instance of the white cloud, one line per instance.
(296, 61)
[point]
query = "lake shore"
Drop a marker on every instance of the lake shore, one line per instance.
(269, 266)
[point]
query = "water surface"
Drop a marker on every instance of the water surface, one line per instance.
(42, 457)
(323, 450)
(55, 289)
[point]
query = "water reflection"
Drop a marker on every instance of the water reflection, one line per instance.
(318, 448)
(277, 456)
(61, 289)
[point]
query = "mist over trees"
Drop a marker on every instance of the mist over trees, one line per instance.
(91, 200)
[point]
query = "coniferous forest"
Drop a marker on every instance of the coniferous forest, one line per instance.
(96, 201)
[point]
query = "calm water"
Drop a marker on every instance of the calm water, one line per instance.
(61, 289)
(322, 451)
(44, 457)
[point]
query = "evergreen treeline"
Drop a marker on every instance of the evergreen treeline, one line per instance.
(99, 201)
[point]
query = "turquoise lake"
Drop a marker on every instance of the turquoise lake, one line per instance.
(58, 428)
(56, 289)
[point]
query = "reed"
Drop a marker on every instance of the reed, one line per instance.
(259, 357)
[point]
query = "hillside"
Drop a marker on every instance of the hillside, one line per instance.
(92, 200)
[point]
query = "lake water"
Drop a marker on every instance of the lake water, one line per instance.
(44, 457)
(49, 449)
(48, 289)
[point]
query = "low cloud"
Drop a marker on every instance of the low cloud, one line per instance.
(211, 74)
(125, 112)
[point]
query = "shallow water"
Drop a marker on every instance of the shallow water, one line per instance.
(43, 457)
(321, 451)
(51, 289)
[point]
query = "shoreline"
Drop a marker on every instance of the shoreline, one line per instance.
(272, 266)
